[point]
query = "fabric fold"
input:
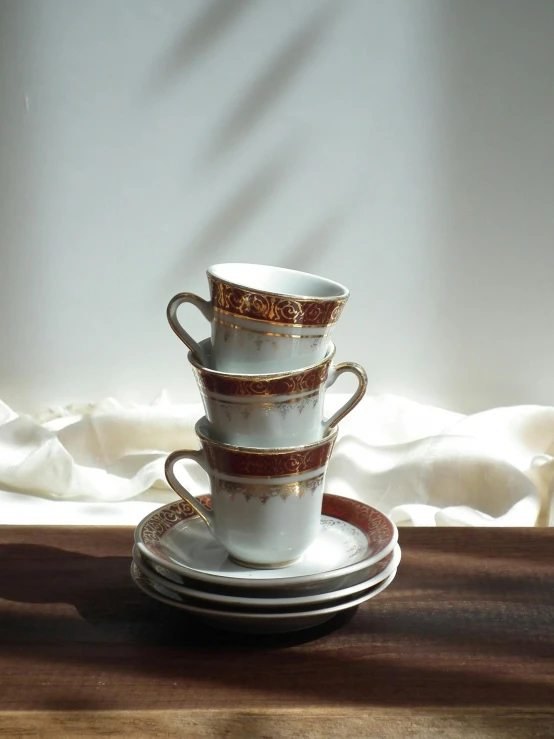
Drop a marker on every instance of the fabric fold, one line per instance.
(423, 466)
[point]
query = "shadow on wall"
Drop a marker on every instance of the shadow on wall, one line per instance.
(196, 41)
(317, 240)
(270, 83)
(234, 216)
(322, 236)
(256, 191)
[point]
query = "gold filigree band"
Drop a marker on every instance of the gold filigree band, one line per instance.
(263, 493)
(264, 320)
(278, 309)
(299, 382)
(267, 463)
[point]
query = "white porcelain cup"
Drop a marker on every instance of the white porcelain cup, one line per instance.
(266, 503)
(263, 319)
(272, 410)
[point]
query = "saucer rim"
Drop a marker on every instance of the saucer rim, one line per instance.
(270, 582)
(263, 616)
(267, 602)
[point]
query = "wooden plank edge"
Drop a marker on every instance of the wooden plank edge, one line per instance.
(311, 723)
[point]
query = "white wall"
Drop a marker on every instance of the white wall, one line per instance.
(405, 148)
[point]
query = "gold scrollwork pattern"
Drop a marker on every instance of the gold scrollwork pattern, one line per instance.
(292, 384)
(276, 309)
(167, 517)
(378, 527)
(270, 463)
(263, 493)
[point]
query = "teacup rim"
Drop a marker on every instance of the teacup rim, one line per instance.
(343, 291)
(330, 437)
(262, 376)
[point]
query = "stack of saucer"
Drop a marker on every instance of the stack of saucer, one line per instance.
(266, 550)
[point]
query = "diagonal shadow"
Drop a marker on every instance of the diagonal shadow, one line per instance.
(235, 215)
(196, 40)
(469, 542)
(270, 84)
(128, 636)
(417, 651)
(102, 592)
(322, 236)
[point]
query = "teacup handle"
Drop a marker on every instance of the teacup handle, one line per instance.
(198, 456)
(352, 402)
(204, 306)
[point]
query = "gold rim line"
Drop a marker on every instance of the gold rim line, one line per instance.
(331, 437)
(275, 476)
(268, 490)
(275, 323)
(270, 376)
(269, 333)
(209, 395)
(285, 296)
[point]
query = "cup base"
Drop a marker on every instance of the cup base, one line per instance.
(259, 566)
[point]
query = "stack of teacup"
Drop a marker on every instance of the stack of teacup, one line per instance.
(265, 443)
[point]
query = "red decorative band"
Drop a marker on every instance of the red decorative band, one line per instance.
(287, 384)
(277, 309)
(243, 463)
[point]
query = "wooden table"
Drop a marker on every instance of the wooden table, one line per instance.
(461, 645)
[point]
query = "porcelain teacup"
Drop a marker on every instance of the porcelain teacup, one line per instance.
(279, 409)
(263, 319)
(266, 503)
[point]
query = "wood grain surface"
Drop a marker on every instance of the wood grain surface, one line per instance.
(461, 644)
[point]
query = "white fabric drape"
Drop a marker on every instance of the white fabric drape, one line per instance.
(103, 463)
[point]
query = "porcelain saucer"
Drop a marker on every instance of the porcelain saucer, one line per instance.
(386, 566)
(353, 537)
(266, 622)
